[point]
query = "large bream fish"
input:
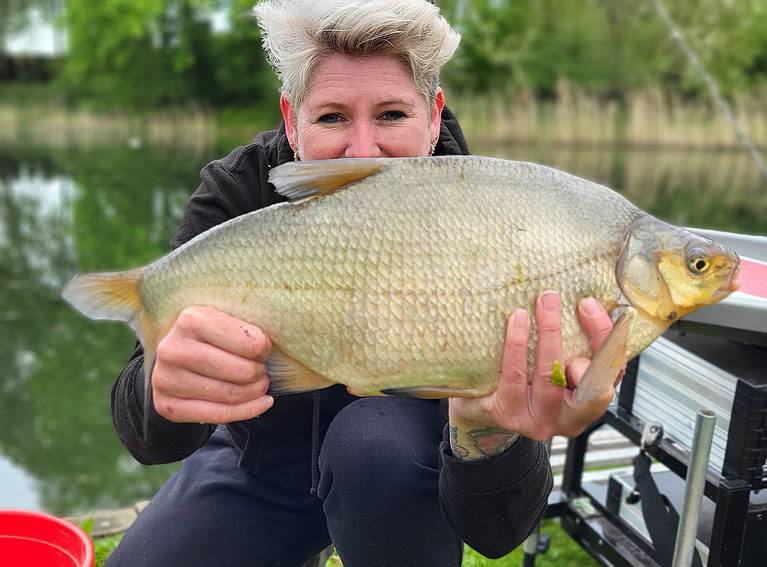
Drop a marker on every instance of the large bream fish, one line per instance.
(397, 276)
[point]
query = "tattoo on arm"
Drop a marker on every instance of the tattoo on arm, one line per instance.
(458, 450)
(481, 443)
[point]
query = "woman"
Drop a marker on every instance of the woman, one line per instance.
(383, 479)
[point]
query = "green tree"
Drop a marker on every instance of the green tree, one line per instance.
(139, 53)
(243, 75)
(608, 46)
(729, 37)
(151, 53)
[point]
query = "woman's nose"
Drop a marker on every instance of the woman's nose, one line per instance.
(362, 142)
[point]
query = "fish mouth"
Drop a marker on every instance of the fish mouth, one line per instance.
(731, 284)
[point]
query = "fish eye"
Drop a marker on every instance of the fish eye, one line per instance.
(699, 265)
(698, 261)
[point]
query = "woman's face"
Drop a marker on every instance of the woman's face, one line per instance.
(362, 107)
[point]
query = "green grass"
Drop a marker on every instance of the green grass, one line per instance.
(562, 551)
(104, 547)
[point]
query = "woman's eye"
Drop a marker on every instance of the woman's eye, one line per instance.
(392, 115)
(330, 118)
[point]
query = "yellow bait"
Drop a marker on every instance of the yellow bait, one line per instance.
(558, 375)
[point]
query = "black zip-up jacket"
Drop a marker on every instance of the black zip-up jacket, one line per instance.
(492, 504)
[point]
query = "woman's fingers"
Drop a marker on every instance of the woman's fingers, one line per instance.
(182, 410)
(210, 368)
(595, 321)
(207, 360)
(575, 371)
(227, 333)
(513, 382)
(544, 406)
(190, 385)
(508, 405)
(575, 417)
(546, 396)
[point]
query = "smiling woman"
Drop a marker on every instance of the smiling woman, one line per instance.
(386, 480)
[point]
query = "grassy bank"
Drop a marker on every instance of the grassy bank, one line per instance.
(41, 115)
(562, 551)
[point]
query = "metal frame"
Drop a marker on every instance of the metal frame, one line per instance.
(739, 531)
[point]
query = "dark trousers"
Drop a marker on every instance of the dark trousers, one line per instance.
(377, 499)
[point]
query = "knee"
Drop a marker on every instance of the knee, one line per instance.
(385, 445)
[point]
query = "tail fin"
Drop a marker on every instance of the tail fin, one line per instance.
(116, 296)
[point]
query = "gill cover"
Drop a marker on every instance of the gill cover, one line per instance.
(668, 272)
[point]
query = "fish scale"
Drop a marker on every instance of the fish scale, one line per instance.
(400, 274)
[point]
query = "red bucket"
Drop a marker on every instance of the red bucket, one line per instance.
(32, 539)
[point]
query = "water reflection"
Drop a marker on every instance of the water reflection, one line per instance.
(67, 212)
(61, 214)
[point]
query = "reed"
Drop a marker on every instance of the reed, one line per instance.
(55, 125)
(649, 117)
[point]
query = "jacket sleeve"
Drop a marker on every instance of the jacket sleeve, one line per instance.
(230, 187)
(495, 504)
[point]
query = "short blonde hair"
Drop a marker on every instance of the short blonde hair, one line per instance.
(298, 34)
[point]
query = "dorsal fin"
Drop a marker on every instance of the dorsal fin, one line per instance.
(298, 180)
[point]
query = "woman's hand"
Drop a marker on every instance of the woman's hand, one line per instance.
(210, 368)
(483, 427)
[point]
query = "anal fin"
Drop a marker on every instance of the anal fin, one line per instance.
(289, 376)
(607, 362)
(434, 392)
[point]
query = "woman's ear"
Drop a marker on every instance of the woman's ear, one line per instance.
(289, 118)
(436, 113)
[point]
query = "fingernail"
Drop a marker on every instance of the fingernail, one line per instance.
(519, 318)
(590, 307)
(550, 301)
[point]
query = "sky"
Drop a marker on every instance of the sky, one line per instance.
(40, 38)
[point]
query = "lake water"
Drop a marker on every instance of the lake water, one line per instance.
(69, 211)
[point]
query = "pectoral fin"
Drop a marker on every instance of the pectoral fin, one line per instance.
(289, 376)
(608, 361)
